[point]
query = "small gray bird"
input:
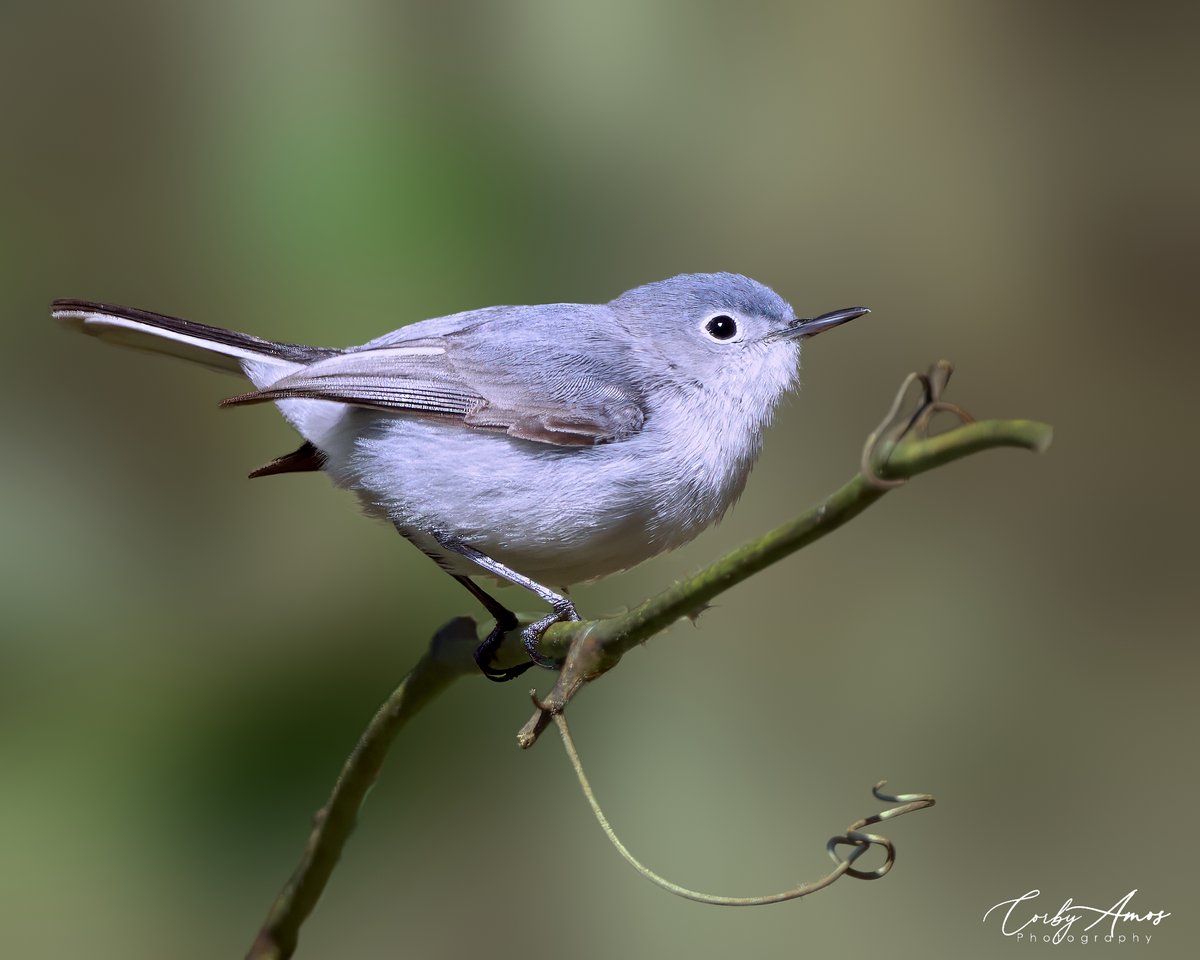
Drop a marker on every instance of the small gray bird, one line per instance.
(540, 444)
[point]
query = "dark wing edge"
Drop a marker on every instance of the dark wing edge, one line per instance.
(583, 429)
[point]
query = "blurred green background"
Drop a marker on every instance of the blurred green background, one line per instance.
(187, 657)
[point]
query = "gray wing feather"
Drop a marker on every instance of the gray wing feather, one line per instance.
(551, 390)
(377, 393)
(558, 374)
(414, 377)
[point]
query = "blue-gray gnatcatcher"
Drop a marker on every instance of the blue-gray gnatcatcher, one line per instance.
(543, 444)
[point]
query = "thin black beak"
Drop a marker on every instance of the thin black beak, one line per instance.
(826, 321)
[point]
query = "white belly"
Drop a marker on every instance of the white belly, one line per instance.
(559, 515)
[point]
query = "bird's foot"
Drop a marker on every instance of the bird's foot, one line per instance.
(486, 652)
(531, 636)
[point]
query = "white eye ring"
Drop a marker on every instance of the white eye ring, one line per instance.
(721, 327)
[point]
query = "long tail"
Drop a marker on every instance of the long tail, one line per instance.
(261, 361)
(212, 346)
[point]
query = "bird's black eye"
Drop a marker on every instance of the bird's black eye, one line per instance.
(722, 327)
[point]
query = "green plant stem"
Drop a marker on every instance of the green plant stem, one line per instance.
(908, 459)
(591, 647)
(449, 656)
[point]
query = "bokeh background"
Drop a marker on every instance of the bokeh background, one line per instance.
(187, 657)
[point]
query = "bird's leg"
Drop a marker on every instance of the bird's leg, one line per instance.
(505, 620)
(563, 608)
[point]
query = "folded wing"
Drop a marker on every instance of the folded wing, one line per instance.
(554, 392)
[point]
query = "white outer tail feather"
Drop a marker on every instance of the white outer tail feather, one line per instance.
(312, 419)
(139, 335)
